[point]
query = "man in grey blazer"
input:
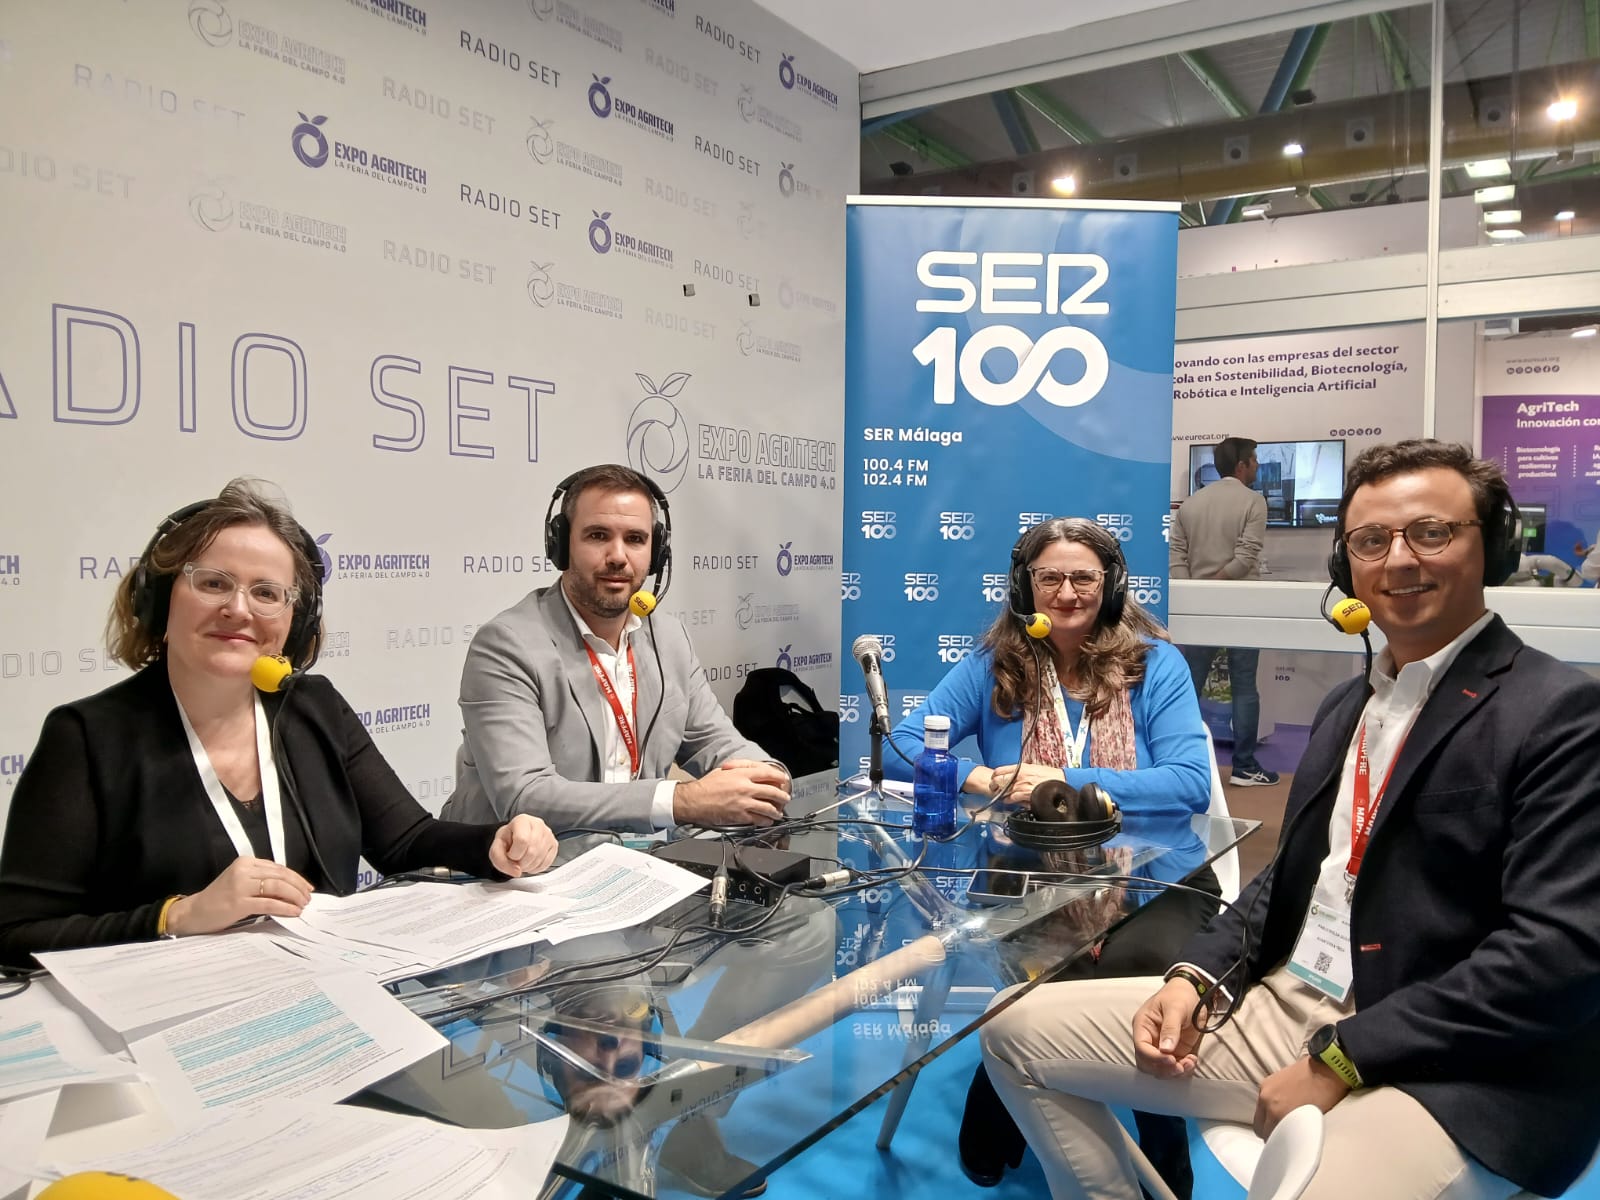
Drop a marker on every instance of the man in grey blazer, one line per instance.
(574, 708)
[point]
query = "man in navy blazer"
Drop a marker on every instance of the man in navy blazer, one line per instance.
(1422, 960)
(574, 709)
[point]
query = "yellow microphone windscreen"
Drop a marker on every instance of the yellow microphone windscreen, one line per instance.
(102, 1185)
(643, 603)
(269, 671)
(1038, 626)
(1351, 615)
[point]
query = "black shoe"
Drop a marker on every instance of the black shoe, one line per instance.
(694, 1157)
(989, 1141)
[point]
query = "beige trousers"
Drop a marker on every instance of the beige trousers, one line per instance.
(1064, 1053)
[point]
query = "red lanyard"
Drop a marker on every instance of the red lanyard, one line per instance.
(610, 694)
(1364, 812)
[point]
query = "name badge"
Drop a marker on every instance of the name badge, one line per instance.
(1322, 954)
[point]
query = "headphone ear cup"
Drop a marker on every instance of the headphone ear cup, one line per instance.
(556, 535)
(1502, 545)
(308, 613)
(660, 548)
(1020, 594)
(1115, 599)
(1339, 567)
(152, 597)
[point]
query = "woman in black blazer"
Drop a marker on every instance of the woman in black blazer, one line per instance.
(184, 801)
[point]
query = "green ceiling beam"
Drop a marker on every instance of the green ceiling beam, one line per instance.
(1591, 27)
(1394, 50)
(911, 136)
(1322, 200)
(1587, 171)
(1214, 82)
(1059, 115)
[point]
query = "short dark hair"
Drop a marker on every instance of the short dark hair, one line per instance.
(607, 477)
(1230, 452)
(1490, 493)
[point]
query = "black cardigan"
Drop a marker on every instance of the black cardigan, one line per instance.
(109, 818)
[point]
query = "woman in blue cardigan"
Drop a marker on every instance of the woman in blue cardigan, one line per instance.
(1091, 693)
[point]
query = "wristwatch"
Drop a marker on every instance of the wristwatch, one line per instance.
(1324, 1045)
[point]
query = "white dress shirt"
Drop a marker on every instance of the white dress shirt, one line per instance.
(1391, 711)
(615, 764)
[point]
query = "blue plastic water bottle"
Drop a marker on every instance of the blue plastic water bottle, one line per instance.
(933, 787)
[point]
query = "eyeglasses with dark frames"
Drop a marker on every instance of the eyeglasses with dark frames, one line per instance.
(1426, 536)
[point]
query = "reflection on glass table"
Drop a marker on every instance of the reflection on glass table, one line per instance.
(697, 1061)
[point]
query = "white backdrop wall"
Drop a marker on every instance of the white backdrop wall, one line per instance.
(415, 263)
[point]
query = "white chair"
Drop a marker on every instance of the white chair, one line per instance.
(1289, 1158)
(1279, 1168)
(1227, 866)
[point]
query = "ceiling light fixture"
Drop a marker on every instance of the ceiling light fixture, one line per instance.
(1562, 110)
(1065, 184)
(1566, 214)
(1293, 149)
(1503, 216)
(1506, 235)
(1497, 194)
(1586, 331)
(1255, 210)
(1488, 168)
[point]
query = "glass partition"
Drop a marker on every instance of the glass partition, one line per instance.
(1522, 117)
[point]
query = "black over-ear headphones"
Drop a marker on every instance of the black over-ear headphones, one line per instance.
(558, 530)
(1502, 549)
(152, 589)
(1062, 817)
(1114, 592)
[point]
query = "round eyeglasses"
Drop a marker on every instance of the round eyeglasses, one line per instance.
(1426, 536)
(265, 597)
(1047, 581)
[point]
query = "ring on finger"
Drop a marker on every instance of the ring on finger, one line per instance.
(261, 888)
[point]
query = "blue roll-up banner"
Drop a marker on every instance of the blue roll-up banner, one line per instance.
(1005, 361)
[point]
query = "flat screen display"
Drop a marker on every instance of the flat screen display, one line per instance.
(1534, 517)
(1302, 481)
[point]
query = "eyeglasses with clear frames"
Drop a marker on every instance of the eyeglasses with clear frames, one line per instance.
(265, 597)
(1426, 536)
(1047, 581)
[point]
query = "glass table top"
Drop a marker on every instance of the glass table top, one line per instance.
(695, 1061)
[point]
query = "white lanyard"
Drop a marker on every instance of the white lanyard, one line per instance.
(270, 800)
(1075, 741)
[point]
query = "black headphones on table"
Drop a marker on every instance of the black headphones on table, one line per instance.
(1114, 592)
(558, 530)
(152, 589)
(1062, 817)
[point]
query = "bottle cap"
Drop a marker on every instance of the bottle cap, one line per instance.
(934, 723)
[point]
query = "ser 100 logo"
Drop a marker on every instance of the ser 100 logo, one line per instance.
(1009, 292)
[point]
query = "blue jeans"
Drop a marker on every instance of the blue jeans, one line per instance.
(1246, 697)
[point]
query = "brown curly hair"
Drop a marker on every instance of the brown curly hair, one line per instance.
(1113, 656)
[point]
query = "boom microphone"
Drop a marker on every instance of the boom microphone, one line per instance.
(1035, 625)
(1349, 615)
(642, 603)
(868, 652)
(272, 673)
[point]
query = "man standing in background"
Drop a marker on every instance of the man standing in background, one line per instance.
(1218, 533)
